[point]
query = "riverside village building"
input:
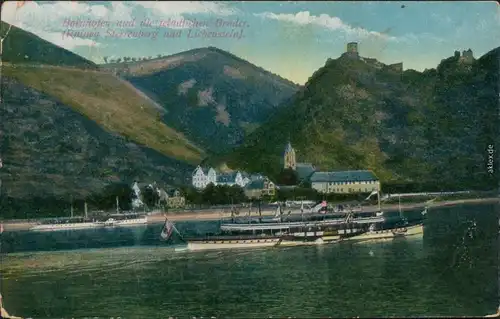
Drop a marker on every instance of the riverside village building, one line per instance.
(256, 185)
(339, 182)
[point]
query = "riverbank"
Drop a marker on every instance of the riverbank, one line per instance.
(207, 215)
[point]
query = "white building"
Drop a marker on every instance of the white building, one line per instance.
(203, 176)
(345, 182)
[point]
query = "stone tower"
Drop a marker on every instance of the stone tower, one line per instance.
(352, 47)
(468, 56)
(289, 157)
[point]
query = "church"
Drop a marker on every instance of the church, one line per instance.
(304, 170)
(340, 182)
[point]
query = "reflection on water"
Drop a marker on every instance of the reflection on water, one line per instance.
(98, 237)
(451, 271)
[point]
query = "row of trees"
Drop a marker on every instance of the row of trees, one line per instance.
(57, 206)
(215, 195)
(132, 59)
(211, 195)
(287, 176)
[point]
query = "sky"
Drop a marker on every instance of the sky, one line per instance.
(292, 39)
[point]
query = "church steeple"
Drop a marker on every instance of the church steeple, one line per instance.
(289, 157)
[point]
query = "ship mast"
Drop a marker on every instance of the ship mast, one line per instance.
(378, 198)
(405, 221)
(232, 211)
(250, 214)
(302, 210)
(85, 209)
(281, 214)
(71, 206)
(260, 212)
(399, 204)
(117, 206)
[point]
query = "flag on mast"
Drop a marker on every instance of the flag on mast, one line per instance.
(322, 207)
(168, 229)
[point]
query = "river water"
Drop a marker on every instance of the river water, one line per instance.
(451, 270)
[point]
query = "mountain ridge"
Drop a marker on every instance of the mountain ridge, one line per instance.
(211, 95)
(194, 51)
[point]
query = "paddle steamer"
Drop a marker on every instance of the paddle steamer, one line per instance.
(278, 231)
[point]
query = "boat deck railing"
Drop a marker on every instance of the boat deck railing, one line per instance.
(231, 237)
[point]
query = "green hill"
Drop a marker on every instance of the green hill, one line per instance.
(71, 128)
(212, 96)
(356, 113)
(24, 47)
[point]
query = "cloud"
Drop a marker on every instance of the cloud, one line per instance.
(46, 19)
(178, 8)
(412, 38)
(176, 12)
(325, 21)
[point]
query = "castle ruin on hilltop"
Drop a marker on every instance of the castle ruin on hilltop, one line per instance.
(353, 53)
(352, 48)
(398, 67)
(467, 56)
